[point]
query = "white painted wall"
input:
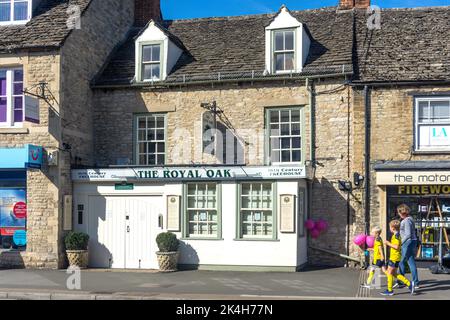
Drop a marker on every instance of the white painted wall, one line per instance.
(287, 251)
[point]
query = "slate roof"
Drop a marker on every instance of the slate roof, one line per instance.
(47, 28)
(237, 45)
(412, 44)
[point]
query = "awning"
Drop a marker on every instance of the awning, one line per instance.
(29, 156)
(412, 165)
(413, 173)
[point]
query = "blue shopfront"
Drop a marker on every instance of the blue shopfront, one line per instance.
(14, 163)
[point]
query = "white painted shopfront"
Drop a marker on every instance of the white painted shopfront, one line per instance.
(227, 218)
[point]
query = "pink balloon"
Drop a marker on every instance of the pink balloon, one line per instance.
(315, 233)
(370, 241)
(321, 225)
(360, 239)
(310, 224)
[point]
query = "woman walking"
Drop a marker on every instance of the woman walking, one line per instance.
(409, 244)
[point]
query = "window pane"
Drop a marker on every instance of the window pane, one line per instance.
(18, 75)
(424, 111)
(279, 41)
(18, 109)
(441, 110)
(286, 156)
(142, 123)
(296, 156)
(289, 61)
(156, 53)
(161, 159)
(275, 130)
(18, 88)
(285, 143)
(296, 143)
(3, 111)
(289, 40)
(20, 11)
(160, 122)
(151, 159)
(2, 82)
(285, 130)
(279, 62)
(295, 129)
(274, 116)
(143, 159)
(147, 71)
(160, 134)
(147, 53)
(156, 71)
(285, 116)
(5, 12)
(295, 115)
(275, 156)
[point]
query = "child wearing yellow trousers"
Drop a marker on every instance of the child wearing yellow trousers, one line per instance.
(394, 259)
(378, 256)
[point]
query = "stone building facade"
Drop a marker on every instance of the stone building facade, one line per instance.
(63, 58)
(346, 81)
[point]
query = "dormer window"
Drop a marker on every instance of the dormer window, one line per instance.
(287, 44)
(284, 51)
(15, 11)
(151, 62)
(157, 52)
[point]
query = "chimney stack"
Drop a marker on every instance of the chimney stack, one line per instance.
(146, 10)
(350, 4)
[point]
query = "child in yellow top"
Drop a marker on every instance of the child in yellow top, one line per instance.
(394, 259)
(378, 256)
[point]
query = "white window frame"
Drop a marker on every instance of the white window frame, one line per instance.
(216, 209)
(137, 141)
(275, 52)
(273, 210)
(269, 136)
(160, 62)
(418, 124)
(17, 22)
(10, 98)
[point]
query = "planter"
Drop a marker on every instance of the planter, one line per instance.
(168, 261)
(78, 258)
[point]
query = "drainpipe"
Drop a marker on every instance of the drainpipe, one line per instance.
(367, 125)
(310, 85)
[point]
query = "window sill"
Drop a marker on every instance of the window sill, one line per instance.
(430, 152)
(203, 239)
(258, 239)
(14, 131)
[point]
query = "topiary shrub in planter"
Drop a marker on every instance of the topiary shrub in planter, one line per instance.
(77, 249)
(168, 254)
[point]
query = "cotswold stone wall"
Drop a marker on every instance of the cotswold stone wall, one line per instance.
(42, 191)
(244, 108)
(68, 73)
(392, 120)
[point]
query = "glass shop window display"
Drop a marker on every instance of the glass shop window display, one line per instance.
(13, 218)
(426, 210)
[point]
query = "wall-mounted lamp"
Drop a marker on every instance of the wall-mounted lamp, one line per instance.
(357, 179)
(345, 185)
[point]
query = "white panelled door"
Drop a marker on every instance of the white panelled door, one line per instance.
(123, 231)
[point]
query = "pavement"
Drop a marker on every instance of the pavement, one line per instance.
(309, 284)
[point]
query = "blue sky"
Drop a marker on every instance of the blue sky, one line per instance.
(185, 9)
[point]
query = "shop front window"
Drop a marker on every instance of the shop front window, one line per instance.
(13, 211)
(151, 139)
(433, 124)
(202, 210)
(256, 212)
(427, 203)
(285, 135)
